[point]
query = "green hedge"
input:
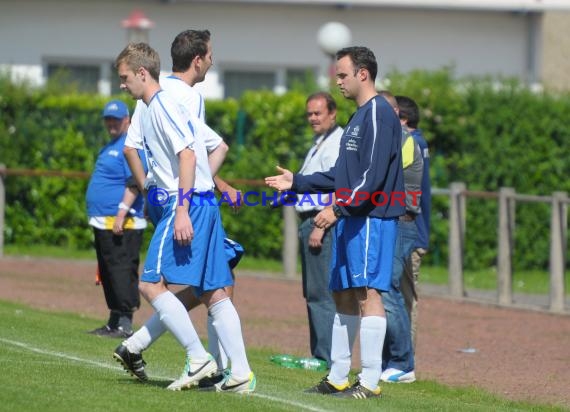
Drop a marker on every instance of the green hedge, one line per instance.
(491, 133)
(484, 132)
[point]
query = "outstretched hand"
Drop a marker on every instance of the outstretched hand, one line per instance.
(281, 182)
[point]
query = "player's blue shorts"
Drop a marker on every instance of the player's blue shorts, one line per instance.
(362, 253)
(234, 251)
(201, 264)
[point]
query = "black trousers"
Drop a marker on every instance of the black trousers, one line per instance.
(118, 259)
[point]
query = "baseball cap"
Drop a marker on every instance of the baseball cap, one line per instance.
(116, 109)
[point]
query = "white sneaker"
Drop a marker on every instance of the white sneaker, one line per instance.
(231, 384)
(397, 376)
(194, 370)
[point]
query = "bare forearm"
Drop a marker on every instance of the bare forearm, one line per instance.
(221, 184)
(130, 196)
(136, 166)
(187, 176)
(216, 158)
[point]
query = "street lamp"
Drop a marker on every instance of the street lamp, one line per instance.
(138, 27)
(332, 37)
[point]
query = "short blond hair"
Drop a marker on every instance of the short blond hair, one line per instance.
(137, 55)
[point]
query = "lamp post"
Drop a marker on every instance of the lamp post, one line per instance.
(137, 26)
(332, 37)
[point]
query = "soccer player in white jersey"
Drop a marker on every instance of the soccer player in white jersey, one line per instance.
(191, 53)
(188, 238)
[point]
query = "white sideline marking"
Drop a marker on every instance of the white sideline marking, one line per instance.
(292, 403)
(59, 354)
(116, 368)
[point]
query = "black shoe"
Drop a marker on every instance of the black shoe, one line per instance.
(208, 383)
(108, 332)
(121, 333)
(324, 387)
(102, 331)
(357, 391)
(132, 362)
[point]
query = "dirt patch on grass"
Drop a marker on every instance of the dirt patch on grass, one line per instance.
(519, 354)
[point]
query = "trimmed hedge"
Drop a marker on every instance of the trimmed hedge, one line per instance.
(491, 134)
(481, 131)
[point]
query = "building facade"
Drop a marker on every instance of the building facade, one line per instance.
(270, 44)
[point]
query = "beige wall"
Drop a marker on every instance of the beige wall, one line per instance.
(556, 51)
(253, 37)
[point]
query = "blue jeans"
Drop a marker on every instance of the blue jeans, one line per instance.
(321, 308)
(398, 352)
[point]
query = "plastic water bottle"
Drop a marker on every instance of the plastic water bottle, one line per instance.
(313, 364)
(293, 362)
(287, 361)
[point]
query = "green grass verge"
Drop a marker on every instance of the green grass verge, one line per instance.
(49, 363)
(531, 281)
(48, 251)
(272, 267)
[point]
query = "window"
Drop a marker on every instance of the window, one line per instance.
(89, 77)
(300, 78)
(279, 80)
(237, 82)
(79, 77)
(115, 81)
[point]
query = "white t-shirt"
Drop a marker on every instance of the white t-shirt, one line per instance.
(166, 128)
(320, 158)
(192, 103)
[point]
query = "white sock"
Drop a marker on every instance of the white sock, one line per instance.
(146, 335)
(372, 333)
(343, 336)
(175, 318)
(215, 347)
(228, 326)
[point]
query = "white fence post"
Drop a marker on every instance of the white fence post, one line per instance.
(290, 242)
(558, 232)
(456, 238)
(505, 241)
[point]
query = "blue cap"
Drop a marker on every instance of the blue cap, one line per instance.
(116, 109)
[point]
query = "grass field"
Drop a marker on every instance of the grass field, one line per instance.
(49, 363)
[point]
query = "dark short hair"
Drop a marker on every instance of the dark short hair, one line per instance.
(362, 58)
(331, 103)
(409, 111)
(186, 46)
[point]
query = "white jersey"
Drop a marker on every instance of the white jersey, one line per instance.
(191, 102)
(167, 129)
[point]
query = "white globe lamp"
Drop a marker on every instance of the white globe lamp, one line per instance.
(333, 36)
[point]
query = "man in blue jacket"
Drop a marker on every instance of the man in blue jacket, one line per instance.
(368, 181)
(115, 210)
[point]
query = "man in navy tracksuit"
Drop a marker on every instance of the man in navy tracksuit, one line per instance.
(368, 182)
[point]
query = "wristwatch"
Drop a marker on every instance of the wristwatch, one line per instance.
(337, 211)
